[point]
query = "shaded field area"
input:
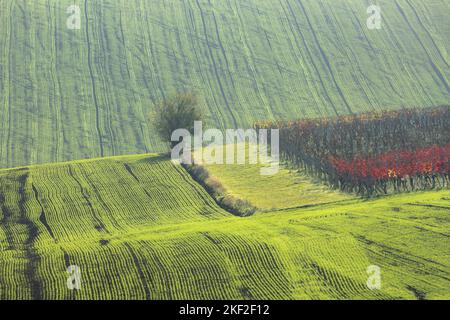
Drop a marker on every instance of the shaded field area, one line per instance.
(74, 94)
(140, 228)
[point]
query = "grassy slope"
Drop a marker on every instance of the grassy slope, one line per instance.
(68, 94)
(139, 227)
(286, 189)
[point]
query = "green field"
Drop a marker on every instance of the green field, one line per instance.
(74, 94)
(288, 188)
(140, 228)
(83, 180)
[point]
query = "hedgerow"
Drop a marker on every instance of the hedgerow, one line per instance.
(215, 188)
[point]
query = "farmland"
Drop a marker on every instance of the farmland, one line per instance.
(140, 228)
(73, 94)
(87, 186)
(288, 188)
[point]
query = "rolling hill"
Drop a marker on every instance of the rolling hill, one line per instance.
(73, 94)
(288, 188)
(84, 181)
(139, 227)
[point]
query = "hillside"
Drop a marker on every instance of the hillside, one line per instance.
(72, 94)
(140, 228)
(288, 188)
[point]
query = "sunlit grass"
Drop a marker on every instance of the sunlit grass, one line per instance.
(140, 228)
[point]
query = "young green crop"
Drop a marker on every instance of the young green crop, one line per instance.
(139, 227)
(73, 94)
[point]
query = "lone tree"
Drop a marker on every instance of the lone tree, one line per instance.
(179, 111)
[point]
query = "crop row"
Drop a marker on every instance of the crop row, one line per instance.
(141, 228)
(75, 94)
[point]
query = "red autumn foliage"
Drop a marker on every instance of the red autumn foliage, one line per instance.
(373, 153)
(397, 164)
